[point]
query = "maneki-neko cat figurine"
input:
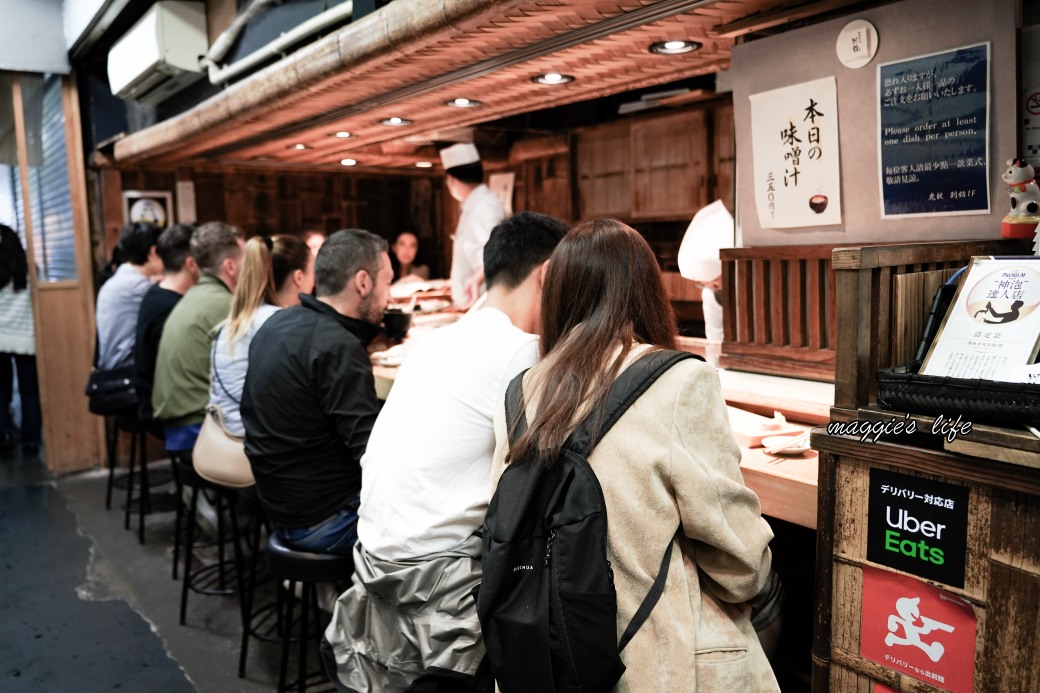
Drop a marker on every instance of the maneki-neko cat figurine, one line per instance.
(1022, 220)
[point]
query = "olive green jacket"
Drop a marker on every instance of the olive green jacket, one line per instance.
(181, 389)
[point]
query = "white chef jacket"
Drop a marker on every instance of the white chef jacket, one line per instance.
(481, 212)
(712, 315)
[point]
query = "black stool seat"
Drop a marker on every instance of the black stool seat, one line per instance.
(295, 566)
(288, 563)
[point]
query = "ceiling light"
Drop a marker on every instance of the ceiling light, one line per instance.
(348, 162)
(396, 122)
(424, 164)
(463, 103)
(298, 146)
(675, 47)
(342, 134)
(552, 78)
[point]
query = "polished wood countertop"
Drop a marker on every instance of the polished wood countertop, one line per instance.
(786, 486)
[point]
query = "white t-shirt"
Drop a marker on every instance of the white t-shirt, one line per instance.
(481, 212)
(425, 476)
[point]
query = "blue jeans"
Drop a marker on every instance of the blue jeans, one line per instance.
(336, 534)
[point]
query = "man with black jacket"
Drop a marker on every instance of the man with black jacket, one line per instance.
(309, 399)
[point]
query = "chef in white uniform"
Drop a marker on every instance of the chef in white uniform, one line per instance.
(481, 211)
(710, 230)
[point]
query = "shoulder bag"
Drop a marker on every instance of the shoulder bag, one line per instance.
(111, 391)
(219, 456)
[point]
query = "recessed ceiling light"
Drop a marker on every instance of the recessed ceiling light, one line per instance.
(396, 122)
(463, 103)
(552, 78)
(424, 164)
(674, 47)
(348, 162)
(298, 145)
(342, 134)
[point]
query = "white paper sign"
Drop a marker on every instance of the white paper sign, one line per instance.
(993, 322)
(795, 144)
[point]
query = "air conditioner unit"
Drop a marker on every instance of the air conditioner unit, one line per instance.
(160, 54)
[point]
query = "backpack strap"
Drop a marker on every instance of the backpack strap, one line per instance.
(629, 386)
(649, 601)
(515, 406)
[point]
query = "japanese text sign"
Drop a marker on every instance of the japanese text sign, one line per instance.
(933, 115)
(795, 147)
(919, 630)
(993, 322)
(917, 525)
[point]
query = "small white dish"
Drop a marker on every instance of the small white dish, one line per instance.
(773, 445)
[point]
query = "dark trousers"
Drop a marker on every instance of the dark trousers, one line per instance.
(29, 395)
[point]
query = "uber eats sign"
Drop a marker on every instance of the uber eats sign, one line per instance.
(918, 526)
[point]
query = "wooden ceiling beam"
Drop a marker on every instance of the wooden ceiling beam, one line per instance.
(778, 16)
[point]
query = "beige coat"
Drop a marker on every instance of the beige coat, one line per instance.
(671, 458)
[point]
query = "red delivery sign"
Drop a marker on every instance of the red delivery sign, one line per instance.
(919, 630)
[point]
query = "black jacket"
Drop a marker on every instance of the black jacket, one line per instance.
(308, 406)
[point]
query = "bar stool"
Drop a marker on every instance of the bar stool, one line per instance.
(295, 566)
(146, 503)
(214, 579)
(255, 622)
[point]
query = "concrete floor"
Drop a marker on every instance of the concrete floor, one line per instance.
(116, 568)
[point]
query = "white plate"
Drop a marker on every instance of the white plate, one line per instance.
(773, 441)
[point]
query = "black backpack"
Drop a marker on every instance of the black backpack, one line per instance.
(547, 604)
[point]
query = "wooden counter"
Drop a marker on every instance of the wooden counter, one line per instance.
(786, 486)
(1001, 563)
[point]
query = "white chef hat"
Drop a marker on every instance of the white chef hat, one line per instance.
(710, 231)
(459, 155)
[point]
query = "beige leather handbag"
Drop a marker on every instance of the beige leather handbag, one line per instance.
(219, 456)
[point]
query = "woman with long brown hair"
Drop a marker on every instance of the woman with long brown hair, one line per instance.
(669, 462)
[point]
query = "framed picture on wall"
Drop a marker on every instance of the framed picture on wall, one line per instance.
(148, 206)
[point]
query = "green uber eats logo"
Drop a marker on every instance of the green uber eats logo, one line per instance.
(913, 546)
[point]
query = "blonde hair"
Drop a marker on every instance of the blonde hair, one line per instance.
(267, 264)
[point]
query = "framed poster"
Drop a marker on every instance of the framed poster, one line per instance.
(993, 322)
(933, 138)
(794, 140)
(148, 206)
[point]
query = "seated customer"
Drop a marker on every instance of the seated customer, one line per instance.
(119, 299)
(309, 399)
(403, 259)
(669, 467)
(181, 387)
(424, 487)
(180, 273)
(274, 273)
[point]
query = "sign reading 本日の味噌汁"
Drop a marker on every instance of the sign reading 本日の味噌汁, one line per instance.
(933, 139)
(794, 137)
